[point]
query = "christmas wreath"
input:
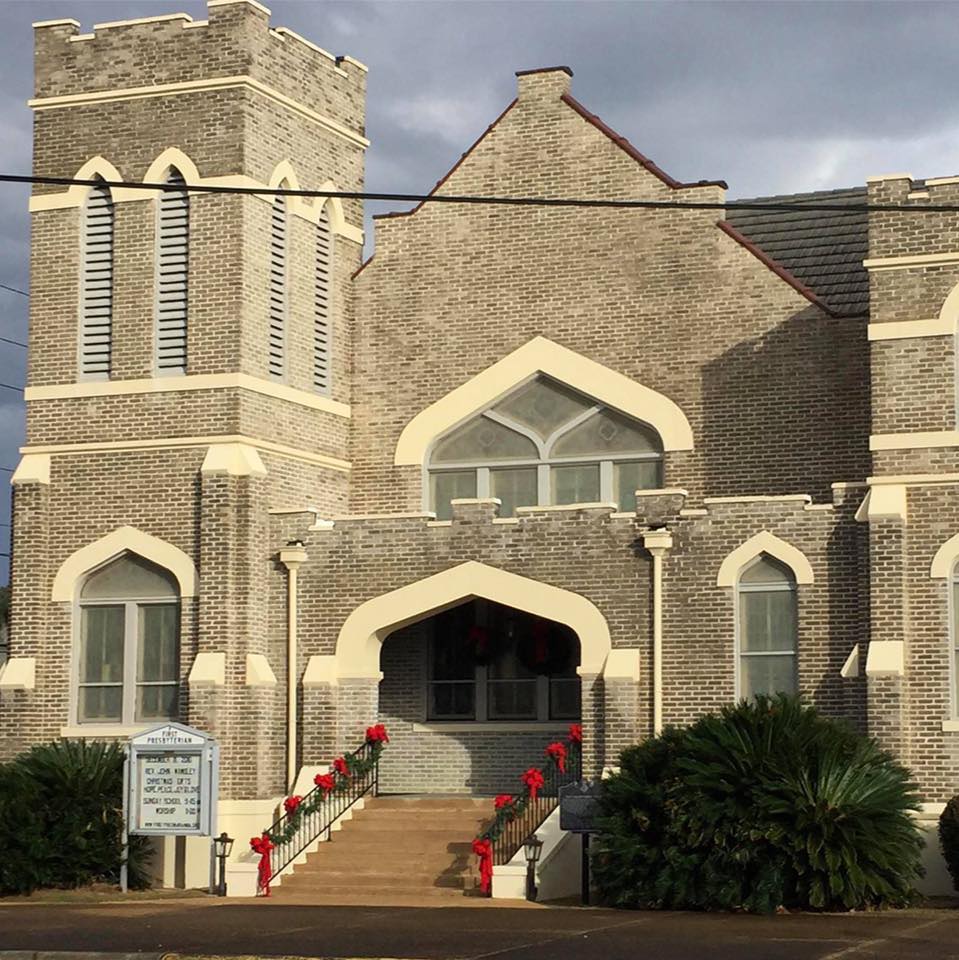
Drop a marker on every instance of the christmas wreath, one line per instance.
(546, 649)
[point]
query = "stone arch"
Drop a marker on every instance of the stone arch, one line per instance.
(764, 542)
(95, 167)
(945, 559)
(543, 356)
(172, 157)
(365, 629)
(123, 540)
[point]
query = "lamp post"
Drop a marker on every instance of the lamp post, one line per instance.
(224, 846)
(533, 847)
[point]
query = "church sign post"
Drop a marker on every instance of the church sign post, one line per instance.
(170, 779)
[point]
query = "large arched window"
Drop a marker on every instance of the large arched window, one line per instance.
(766, 628)
(954, 640)
(545, 444)
(129, 658)
(96, 283)
(173, 263)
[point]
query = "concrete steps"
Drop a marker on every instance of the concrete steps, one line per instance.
(413, 848)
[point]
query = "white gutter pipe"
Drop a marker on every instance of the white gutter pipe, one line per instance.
(291, 558)
(657, 542)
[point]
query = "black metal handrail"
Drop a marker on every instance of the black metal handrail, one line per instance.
(309, 827)
(516, 831)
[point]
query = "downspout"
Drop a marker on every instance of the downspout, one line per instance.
(657, 542)
(291, 558)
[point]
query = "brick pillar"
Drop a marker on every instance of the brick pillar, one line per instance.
(357, 707)
(594, 725)
(885, 659)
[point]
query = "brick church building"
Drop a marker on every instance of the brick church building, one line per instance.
(524, 466)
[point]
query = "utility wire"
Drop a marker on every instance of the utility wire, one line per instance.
(7, 469)
(9, 386)
(23, 293)
(493, 200)
(15, 343)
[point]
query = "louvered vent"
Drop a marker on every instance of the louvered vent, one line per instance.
(96, 295)
(323, 305)
(277, 287)
(173, 257)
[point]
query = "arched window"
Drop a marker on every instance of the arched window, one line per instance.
(323, 305)
(173, 254)
(278, 291)
(545, 444)
(954, 640)
(96, 283)
(766, 629)
(129, 657)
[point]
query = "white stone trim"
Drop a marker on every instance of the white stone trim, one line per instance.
(914, 441)
(162, 18)
(912, 260)
(123, 540)
(945, 559)
(32, 468)
(65, 22)
(239, 81)
(622, 664)
(913, 479)
(190, 382)
(208, 670)
(183, 443)
(950, 726)
(882, 178)
(19, 673)
(362, 635)
(850, 668)
(885, 502)
(259, 673)
(764, 542)
(906, 329)
(249, 3)
(235, 459)
(785, 498)
(489, 726)
(540, 355)
(886, 658)
(320, 672)
(102, 731)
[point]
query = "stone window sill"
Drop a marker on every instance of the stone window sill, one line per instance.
(491, 726)
(950, 726)
(111, 730)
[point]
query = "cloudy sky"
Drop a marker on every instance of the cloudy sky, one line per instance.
(772, 97)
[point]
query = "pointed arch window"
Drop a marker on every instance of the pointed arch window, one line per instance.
(278, 287)
(323, 304)
(545, 444)
(128, 662)
(96, 283)
(173, 257)
(767, 629)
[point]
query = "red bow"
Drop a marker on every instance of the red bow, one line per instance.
(575, 733)
(557, 752)
(325, 782)
(484, 850)
(263, 846)
(341, 767)
(377, 734)
(503, 800)
(534, 781)
(290, 804)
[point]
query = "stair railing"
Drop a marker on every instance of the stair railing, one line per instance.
(306, 819)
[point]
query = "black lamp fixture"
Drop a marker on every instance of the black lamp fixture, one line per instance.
(223, 845)
(533, 847)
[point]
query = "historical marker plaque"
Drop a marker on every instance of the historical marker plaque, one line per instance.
(579, 807)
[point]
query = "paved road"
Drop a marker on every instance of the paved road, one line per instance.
(267, 928)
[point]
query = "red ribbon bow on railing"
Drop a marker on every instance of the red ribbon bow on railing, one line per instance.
(264, 874)
(557, 751)
(341, 766)
(484, 850)
(325, 782)
(291, 804)
(502, 800)
(534, 781)
(377, 734)
(575, 733)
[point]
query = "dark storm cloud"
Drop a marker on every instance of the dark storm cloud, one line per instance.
(772, 97)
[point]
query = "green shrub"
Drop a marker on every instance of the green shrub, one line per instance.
(61, 819)
(765, 804)
(949, 838)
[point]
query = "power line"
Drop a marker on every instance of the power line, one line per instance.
(23, 293)
(7, 469)
(9, 386)
(493, 200)
(15, 343)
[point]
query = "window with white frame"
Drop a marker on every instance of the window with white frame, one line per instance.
(954, 639)
(128, 663)
(766, 629)
(488, 662)
(278, 291)
(173, 265)
(545, 444)
(96, 283)
(323, 304)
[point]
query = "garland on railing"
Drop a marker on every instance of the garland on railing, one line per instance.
(508, 807)
(345, 769)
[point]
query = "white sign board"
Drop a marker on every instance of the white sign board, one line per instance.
(172, 782)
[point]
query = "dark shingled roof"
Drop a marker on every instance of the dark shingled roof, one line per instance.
(821, 248)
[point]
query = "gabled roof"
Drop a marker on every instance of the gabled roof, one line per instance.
(822, 249)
